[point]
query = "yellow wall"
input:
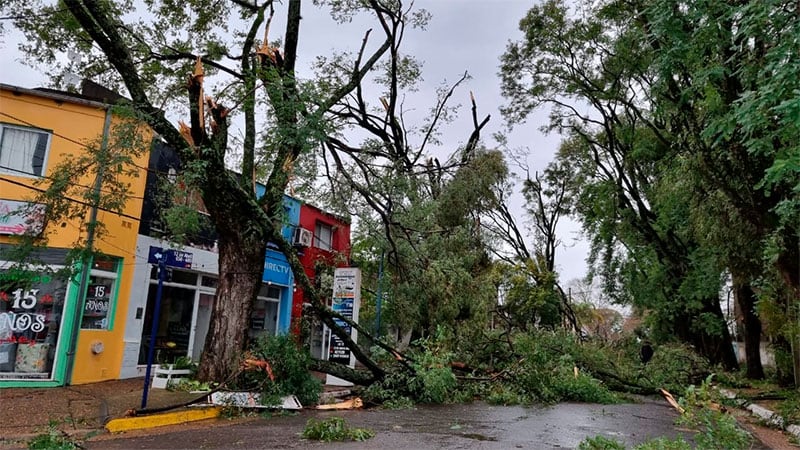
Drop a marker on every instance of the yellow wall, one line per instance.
(73, 125)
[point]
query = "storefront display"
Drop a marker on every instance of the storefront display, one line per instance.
(97, 303)
(31, 309)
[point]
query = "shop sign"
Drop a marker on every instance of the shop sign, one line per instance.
(97, 299)
(21, 321)
(21, 217)
(338, 351)
(346, 289)
(277, 269)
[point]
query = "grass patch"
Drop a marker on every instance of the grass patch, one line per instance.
(53, 439)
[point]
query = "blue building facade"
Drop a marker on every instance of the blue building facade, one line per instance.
(277, 273)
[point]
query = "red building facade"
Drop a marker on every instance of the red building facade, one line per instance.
(329, 248)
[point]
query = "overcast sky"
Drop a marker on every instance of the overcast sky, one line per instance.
(463, 35)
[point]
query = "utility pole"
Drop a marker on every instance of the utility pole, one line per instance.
(87, 261)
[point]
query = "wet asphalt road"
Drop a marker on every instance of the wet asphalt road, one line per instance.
(472, 426)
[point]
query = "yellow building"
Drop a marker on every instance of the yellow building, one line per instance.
(58, 330)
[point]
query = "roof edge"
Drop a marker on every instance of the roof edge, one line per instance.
(53, 96)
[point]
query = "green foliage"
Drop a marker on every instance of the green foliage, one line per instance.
(189, 385)
(184, 363)
(334, 429)
(665, 444)
(545, 372)
(437, 269)
(600, 443)
(54, 439)
(675, 366)
(434, 380)
(789, 408)
(604, 443)
(503, 395)
(391, 392)
(717, 430)
(290, 366)
(398, 402)
(531, 299)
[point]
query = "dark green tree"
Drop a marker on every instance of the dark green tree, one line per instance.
(731, 100)
(595, 76)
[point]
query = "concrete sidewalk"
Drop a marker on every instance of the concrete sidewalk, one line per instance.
(769, 417)
(79, 410)
(82, 411)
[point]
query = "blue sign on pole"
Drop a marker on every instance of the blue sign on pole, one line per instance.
(170, 258)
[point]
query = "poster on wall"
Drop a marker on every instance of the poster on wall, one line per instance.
(346, 301)
(338, 351)
(17, 218)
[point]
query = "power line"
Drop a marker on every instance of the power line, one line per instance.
(6, 168)
(80, 202)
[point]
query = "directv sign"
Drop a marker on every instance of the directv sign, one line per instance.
(276, 269)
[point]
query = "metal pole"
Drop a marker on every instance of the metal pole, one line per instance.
(379, 299)
(162, 268)
(86, 263)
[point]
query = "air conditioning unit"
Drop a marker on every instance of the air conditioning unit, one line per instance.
(302, 237)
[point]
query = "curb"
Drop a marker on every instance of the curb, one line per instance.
(160, 420)
(768, 416)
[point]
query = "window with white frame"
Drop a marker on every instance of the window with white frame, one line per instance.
(323, 236)
(23, 151)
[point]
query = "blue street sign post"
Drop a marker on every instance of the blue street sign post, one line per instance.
(162, 259)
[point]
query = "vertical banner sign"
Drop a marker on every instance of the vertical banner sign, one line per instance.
(346, 300)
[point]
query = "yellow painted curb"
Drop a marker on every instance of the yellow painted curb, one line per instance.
(160, 420)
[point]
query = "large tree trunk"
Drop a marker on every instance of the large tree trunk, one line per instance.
(239, 282)
(746, 302)
(239, 221)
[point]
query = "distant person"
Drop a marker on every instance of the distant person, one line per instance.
(646, 352)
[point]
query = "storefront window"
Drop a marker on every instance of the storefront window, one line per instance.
(31, 308)
(264, 318)
(173, 330)
(99, 301)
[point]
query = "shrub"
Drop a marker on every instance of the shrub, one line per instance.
(334, 429)
(290, 366)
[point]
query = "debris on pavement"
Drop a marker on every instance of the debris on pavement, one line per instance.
(353, 403)
(252, 400)
(671, 400)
